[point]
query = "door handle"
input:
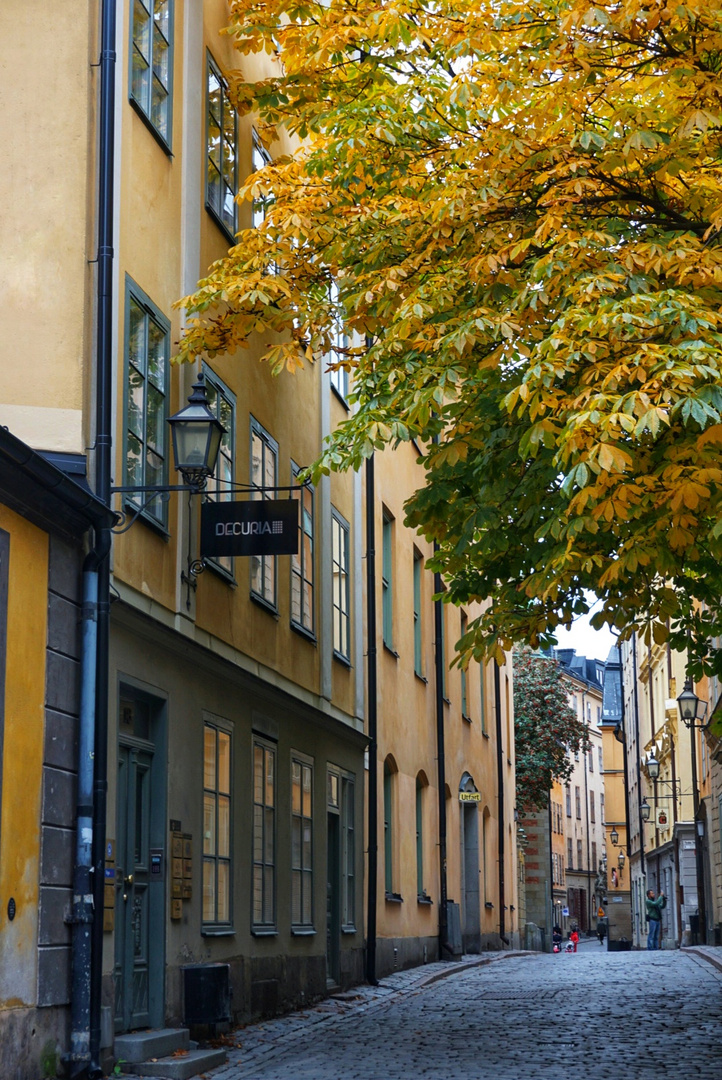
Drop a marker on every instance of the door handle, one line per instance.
(129, 879)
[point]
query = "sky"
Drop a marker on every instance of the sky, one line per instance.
(594, 644)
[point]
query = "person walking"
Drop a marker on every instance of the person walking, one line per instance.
(574, 938)
(654, 917)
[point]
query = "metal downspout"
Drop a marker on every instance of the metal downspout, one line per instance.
(439, 665)
(500, 784)
(586, 752)
(82, 912)
(373, 781)
(636, 741)
(103, 444)
(625, 758)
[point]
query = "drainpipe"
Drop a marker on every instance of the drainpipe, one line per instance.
(626, 796)
(103, 444)
(500, 785)
(586, 815)
(439, 664)
(82, 914)
(635, 700)
(373, 781)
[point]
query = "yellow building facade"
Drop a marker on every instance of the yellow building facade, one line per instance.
(666, 842)
(235, 830)
(475, 718)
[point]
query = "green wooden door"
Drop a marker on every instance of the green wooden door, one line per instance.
(135, 944)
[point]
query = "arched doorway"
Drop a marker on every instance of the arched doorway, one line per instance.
(470, 897)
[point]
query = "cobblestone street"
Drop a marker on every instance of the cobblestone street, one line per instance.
(518, 1016)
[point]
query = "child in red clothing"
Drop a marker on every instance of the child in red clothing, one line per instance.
(574, 938)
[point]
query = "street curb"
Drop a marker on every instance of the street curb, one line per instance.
(438, 975)
(705, 956)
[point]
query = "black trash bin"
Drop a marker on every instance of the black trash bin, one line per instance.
(206, 994)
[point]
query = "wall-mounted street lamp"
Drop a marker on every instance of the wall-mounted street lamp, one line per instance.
(645, 809)
(614, 837)
(620, 860)
(197, 435)
(653, 768)
(691, 708)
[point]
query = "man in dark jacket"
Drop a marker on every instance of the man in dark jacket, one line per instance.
(654, 917)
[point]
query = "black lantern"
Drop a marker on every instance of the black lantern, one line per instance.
(614, 837)
(197, 437)
(688, 703)
(620, 860)
(653, 767)
(645, 809)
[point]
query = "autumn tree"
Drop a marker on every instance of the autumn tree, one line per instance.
(547, 730)
(518, 206)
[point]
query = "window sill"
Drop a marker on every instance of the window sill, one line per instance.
(150, 522)
(260, 931)
(304, 633)
(488, 905)
(342, 659)
(340, 397)
(421, 678)
(303, 931)
(485, 734)
(140, 111)
(220, 931)
(264, 604)
(393, 898)
(390, 649)
(224, 228)
(467, 718)
(221, 572)
(349, 930)
(425, 900)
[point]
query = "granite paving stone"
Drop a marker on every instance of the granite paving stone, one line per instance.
(505, 1016)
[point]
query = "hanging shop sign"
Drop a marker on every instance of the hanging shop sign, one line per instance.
(662, 819)
(263, 527)
(469, 796)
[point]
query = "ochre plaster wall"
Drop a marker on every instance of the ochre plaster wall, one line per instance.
(22, 756)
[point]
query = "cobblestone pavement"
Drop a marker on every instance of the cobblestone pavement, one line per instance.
(514, 1016)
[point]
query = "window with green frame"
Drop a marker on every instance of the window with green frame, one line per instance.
(259, 159)
(301, 843)
(389, 794)
(341, 593)
(339, 345)
(221, 151)
(464, 675)
(147, 336)
(152, 63)
(264, 835)
(264, 471)
(302, 563)
(217, 846)
(482, 681)
(387, 594)
(418, 638)
(420, 890)
(222, 403)
(348, 853)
